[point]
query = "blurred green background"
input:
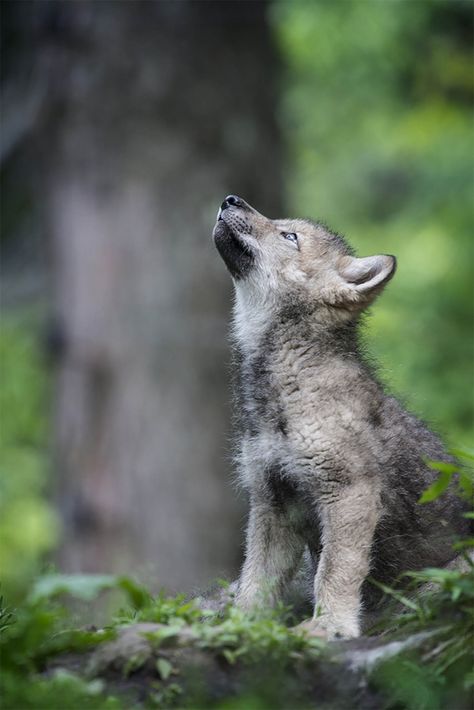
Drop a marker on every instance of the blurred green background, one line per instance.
(375, 114)
(377, 117)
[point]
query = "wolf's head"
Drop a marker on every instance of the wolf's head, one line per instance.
(297, 260)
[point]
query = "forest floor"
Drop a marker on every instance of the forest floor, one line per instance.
(169, 652)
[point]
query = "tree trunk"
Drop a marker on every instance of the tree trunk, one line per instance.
(165, 108)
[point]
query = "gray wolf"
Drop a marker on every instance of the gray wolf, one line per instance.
(333, 465)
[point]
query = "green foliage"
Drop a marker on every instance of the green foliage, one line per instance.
(6, 616)
(232, 633)
(377, 118)
(28, 523)
(42, 632)
(439, 674)
(62, 690)
(245, 637)
(241, 637)
(438, 487)
(86, 587)
(463, 471)
(164, 668)
(164, 610)
(41, 629)
(165, 696)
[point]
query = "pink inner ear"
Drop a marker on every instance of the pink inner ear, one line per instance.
(368, 272)
(361, 278)
(381, 271)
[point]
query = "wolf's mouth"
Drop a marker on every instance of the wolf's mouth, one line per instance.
(222, 230)
(238, 256)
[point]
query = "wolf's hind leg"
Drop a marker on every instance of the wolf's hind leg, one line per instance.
(274, 549)
(461, 563)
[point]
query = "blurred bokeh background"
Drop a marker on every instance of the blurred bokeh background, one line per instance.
(124, 124)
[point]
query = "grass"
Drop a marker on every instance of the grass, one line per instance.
(434, 675)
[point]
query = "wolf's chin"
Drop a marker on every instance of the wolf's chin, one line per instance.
(236, 253)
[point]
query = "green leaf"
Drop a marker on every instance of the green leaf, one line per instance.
(134, 664)
(396, 595)
(164, 668)
(165, 633)
(438, 487)
(87, 587)
(138, 595)
(80, 586)
(434, 574)
(456, 593)
(463, 454)
(229, 655)
(464, 544)
(442, 466)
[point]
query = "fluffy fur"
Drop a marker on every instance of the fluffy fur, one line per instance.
(332, 464)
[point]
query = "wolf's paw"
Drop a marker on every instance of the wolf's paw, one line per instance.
(326, 629)
(312, 628)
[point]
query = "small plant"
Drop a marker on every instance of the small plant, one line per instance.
(7, 617)
(464, 472)
(41, 631)
(438, 674)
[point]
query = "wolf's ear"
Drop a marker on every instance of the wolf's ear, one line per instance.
(365, 278)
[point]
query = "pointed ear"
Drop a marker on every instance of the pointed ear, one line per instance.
(366, 277)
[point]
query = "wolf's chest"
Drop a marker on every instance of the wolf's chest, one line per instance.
(289, 492)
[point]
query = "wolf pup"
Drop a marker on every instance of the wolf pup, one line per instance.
(332, 464)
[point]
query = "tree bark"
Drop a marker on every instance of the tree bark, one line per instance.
(165, 107)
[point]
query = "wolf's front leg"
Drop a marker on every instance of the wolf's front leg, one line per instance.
(273, 552)
(348, 525)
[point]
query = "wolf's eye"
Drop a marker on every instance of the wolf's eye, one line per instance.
(291, 236)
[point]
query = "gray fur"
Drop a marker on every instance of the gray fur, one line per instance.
(332, 464)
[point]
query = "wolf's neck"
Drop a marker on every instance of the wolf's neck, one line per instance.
(252, 317)
(264, 324)
(293, 365)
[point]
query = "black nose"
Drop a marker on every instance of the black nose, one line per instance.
(231, 201)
